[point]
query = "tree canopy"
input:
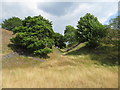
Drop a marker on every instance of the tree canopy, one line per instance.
(70, 34)
(36, 35)
(114, 23)
(59, 40)
(91, 30)
(11, 23)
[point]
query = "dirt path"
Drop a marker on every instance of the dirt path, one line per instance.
(14, 54)
(10, 55)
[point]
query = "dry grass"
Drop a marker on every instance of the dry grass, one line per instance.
(6, 35)
(60, 77)
(0, 58)
(58, 71)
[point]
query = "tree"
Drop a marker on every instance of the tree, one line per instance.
(113, 32)
(59, 40)
(11, 23)
(70, 35)
(91, 30)
(112, 37)
(114, 23)
(36, 35)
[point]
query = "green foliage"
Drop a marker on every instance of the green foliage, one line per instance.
(59, 40)
(11, 23)
(43, 52)
(113, 32)
(70, 35)
(36, 35)
(112, 37)
(114, 23)
(91, 30)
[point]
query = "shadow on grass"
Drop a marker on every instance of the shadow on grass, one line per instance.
(106, 55)
(22, 51)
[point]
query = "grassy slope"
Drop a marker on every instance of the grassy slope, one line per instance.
(6, 35)
(76, 69)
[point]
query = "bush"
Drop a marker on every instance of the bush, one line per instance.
(43, 52)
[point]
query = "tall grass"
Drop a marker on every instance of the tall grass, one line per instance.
(60, 72)
(60, 77)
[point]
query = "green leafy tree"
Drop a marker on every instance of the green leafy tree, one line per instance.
(36, 35)
(11, 23)
(112, 37)
(70, 35)
(114, 23)
(59, 40)
(113, 32)
(91, 30)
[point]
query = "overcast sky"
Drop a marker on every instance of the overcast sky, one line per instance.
(60, 13)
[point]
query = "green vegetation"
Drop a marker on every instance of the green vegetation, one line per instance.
(70, 35)
(11, 23)
(36, 35)
(82, 59)
(114, 23)
(59, 40)
(112, 37)
(106, 55)
(75, 70)
(91, 30)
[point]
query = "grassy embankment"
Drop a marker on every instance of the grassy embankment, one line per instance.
(78, 68)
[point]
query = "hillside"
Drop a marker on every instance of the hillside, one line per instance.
(78, 68)
(6, 35)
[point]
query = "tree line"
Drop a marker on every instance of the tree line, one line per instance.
(35, 34)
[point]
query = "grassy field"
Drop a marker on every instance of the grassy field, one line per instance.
(78, 68)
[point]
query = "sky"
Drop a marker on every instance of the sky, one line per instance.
(60, 12)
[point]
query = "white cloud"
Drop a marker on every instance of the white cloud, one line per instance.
(61, 0)
(102, 10)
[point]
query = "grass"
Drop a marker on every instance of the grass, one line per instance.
(60, 77)
(19, 61)
(106, 55)
(78, 68)
(58, 72)
(6, 35)
(0, 58)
